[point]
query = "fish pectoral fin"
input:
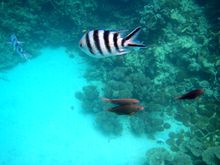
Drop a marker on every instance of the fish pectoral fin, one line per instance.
(176, 97)
(132, 113)
(122, 51)
(197, 98)
(20, 42)
(105, 99)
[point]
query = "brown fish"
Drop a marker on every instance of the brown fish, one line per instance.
(122, 101)
(191, 95)
(126, 109)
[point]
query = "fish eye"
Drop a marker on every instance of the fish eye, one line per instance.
(80, 44)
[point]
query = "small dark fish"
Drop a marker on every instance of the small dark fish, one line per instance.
(122, 101)
(126, 109)
(191, 95)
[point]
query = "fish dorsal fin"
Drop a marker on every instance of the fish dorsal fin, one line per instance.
(122, 33)
(133, 34)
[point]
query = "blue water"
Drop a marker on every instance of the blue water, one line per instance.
(39, 126)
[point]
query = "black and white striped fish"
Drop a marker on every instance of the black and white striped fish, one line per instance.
(105, 43)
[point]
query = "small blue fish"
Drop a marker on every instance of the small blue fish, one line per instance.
(17, 47)
(22, 53)
(14, 41)
(105, 43)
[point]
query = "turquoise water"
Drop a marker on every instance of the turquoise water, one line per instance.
(51, 93)
(39, 125)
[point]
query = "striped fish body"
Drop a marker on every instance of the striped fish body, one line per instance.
(105, 43)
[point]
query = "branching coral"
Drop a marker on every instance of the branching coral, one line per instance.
(181, 158)
(137, 125)
(195, 147)
(159, 156)
(144, 123)
(211, 156)
(118, 89)
(91, 102)
(108, 123)
(153, 17)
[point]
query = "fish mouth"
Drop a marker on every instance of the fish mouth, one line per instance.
(80, 44)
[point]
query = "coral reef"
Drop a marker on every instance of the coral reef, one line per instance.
(108, 123)
(90, 99)
(195, 147)
(159, 156)
(211, 156)
(145, 123)
(181, 158)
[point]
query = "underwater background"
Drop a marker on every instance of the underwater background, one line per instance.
(51, 111)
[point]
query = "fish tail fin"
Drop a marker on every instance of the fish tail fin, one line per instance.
(26, 56)
(105, 99)
(20, 42)
(129, 40)
(177, 97)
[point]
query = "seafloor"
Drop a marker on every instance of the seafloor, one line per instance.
(51, 110)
